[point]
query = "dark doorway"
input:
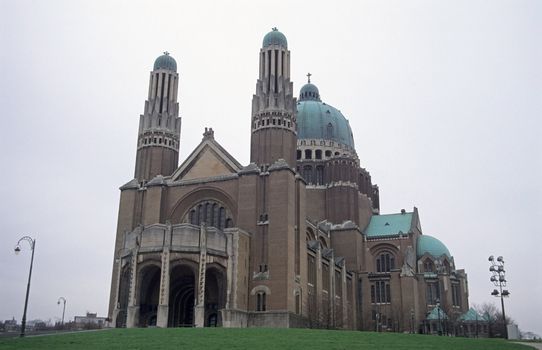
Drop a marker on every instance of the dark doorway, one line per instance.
(149, 289)
(181, 297)
(124, 290)
(215, 295)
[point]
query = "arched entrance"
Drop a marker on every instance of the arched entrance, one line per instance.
(181, 297)
(124, 289)
(149, 289)
(215, 295)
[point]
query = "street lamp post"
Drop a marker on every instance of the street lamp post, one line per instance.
(499, 280)
(63, 308)
(438, 311)
(32, 243)
(412, 321)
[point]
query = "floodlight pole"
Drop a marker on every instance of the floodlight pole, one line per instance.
(499, 280)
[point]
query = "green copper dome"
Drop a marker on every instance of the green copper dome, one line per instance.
(431, 245)
(165, 62)
(275, 37)
(318, 120)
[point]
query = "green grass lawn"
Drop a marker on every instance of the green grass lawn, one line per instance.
(252, 338)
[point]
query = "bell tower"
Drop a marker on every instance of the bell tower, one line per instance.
(273, 105)
(160, 124)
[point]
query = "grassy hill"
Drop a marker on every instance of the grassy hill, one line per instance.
(252, 338)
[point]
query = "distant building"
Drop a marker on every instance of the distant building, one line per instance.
(472, 324)
(11, 325)
(90, 318)
(293, 239)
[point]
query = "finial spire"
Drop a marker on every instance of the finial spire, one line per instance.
(274, 29)
(209, 133)
(309, 77)
(166, 53)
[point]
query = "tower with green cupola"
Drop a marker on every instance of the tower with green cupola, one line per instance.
(273, 122)
(160, 124)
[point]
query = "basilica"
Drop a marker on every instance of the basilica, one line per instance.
(295, 238)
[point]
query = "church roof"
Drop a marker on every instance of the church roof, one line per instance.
(432, 246)
(208, 160)
(389, 225)
(434, 315)
(318, 120)
(472, 315)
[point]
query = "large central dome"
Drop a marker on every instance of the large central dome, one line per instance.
(318, 120)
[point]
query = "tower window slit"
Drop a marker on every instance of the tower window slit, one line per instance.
(169, 86)
(276, 71)
(283, 65)
(162, 91)
(156, 84)
(268, 71)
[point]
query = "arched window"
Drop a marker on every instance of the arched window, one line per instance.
(446, 266)
(428, 265)
(319, 175)
(211, 213)
(307, 173)
(298, 154)
(318, 154)
(261, 301)
(193, 218)
(323, 242)
(308, 154)
(310, 235)
(385, 262)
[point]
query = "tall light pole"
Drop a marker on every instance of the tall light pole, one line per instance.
(499, 280)
(32, 243)
(438, 311)
(412, 321)
(63, 308)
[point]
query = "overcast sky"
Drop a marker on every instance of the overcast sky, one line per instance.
(444, 99)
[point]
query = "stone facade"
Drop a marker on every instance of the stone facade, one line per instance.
(294, 239)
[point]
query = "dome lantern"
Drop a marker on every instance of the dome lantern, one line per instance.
(274, 37)
(165, 62)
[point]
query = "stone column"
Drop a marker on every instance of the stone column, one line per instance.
(332, 290)
(163, 303)
(319, 281)
(344, 296)
(199, 308)
(133, 307)
(117, 304)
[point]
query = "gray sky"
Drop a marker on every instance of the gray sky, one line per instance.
(444, 99)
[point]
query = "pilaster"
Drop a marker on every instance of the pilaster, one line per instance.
(163, 304)
(199, 309)
(132, 319)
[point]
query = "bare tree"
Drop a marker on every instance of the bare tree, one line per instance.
(493, 315)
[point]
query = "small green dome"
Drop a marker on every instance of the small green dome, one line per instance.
(275, 37)
(318, 120)
(309, 92)
(432, 246)
(165, 62)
